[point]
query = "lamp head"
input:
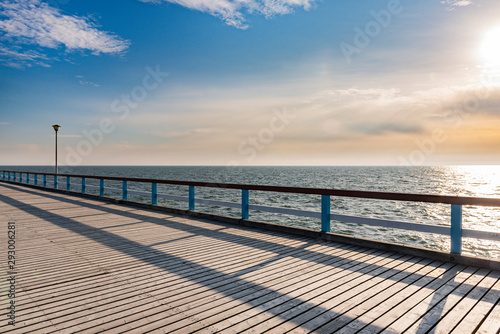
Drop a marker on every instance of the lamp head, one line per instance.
(56, 127)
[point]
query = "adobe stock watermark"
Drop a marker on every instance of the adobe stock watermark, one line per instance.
(460, 112)
(250, 147)
(364, 36)
(121, 108)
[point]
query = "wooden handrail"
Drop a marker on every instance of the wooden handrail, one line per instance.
(446, 199)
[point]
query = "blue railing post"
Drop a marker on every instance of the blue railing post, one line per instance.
(325, 213)
(124, 191)
(55, 181)
(101, 187)
(45, 180)
(9, 175)
(154, 193)
(3, 176)
(244, 203)
(20, 177)
(35, 179)
(83, 186)
(191, 198)
(456, 229)
(68, 183)
(28, 178)
(15, 177)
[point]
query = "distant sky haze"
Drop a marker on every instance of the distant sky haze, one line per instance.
(257, 82)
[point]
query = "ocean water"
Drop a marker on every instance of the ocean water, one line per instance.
(479, 181)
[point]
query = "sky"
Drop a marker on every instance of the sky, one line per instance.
(250, 82)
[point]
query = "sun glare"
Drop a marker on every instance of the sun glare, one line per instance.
(490, 47)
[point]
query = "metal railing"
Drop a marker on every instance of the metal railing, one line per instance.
(455, 231)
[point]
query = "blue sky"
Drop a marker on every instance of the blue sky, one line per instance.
(256, 82)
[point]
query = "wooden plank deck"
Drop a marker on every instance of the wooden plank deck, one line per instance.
(86, 266)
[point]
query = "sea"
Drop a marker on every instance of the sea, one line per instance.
(475, 181)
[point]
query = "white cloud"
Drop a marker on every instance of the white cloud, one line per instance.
(231, 11)
(17, 59)
(83, 82)
(34, 23)
(452, 4)
(357, 112)
(88, 83)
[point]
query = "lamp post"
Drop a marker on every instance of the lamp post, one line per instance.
(56, 128)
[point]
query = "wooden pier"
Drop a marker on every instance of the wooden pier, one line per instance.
(85, 265)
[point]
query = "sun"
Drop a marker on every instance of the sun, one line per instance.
(490, 48)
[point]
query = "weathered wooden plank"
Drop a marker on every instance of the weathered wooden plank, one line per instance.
(447, 322)
(143, 290)
(337, 307)
(352, 314)
(210, 299)
(492, 321)
(482, 308)
(447, 302)
(338, 283)
(115, 276)
(428, 296)
(399, 303)
(286, 289)
(218, 290)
